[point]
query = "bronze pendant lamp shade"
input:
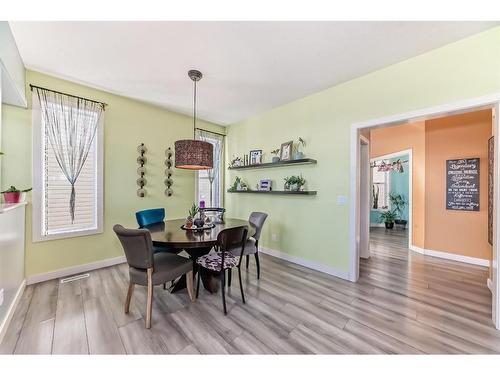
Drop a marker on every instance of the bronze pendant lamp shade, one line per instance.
(191, 153)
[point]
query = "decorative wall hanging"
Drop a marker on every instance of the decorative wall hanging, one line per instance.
(168, 172)
(141, 171)
(462, 184)
(395, 166)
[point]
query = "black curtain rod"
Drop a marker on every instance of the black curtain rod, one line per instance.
(209, 131)
(63, 93)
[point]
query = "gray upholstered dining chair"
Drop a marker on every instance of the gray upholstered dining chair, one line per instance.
(149, 269)
(257, 220)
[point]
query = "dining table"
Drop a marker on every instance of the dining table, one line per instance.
(172, 235)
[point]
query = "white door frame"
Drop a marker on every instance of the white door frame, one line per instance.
(408, 152)
(488, 101)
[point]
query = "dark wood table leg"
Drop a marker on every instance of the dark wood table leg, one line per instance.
(209, 280)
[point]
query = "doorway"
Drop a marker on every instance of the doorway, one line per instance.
(357, 230)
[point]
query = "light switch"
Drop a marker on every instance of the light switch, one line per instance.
(341, 200)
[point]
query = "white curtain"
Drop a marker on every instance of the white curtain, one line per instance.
(70, 126)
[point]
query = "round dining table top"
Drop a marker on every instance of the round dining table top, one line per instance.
(170, 233)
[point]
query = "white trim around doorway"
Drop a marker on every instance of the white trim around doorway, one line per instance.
(453, 108)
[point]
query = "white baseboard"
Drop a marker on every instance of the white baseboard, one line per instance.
(63, 272)
(450, 256)
(10, 312)
(377, 225)
(306, 263)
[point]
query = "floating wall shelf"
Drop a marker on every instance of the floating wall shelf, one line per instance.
(277, 164)
(282, 192)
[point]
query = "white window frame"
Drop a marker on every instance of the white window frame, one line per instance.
(37, 175)
(387, 184)
(221, 176)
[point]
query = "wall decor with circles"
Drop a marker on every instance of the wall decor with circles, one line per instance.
(141, 171)
(168, 172)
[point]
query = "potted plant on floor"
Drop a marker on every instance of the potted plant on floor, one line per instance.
(14, 195)
(388, 218)
(398, 203)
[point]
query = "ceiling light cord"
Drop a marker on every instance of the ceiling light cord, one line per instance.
(194, 111)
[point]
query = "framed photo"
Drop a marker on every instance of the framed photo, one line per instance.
(286, 151)
(265, 185)
(255, 157)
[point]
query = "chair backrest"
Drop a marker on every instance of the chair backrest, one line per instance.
(151, 216)
(257, 219)
(137, 245)
(232, 237)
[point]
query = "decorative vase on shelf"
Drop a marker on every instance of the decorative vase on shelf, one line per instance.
(294, 187)
(276, 159)
(298, 155)
(287, 187)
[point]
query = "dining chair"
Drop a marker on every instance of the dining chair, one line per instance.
(222, 260)
(257, 220)
(149, 269)
(150, 217)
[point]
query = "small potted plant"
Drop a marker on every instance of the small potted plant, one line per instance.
(14, 195)
(298, 154)
(276, 157)
(388, 218)
(295, 183)
(193, 211)
(398, 203)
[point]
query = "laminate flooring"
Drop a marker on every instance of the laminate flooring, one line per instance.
(403, 303)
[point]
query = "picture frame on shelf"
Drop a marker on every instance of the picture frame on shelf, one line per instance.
(255, 157)
(286, 151)
(265, 185)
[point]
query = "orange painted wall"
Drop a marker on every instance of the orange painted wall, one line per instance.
(433, 142)
(403, 137)
(456, 137)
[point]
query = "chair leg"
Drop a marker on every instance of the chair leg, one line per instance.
(257, 262)
(129, 297)
(149, 307)
(222, 282)
(189, 284)
(198, 282)
(229, 277)
(241, 285)
(248, 260)
(164, 286)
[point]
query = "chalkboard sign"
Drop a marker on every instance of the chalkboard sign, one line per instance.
(462, 184)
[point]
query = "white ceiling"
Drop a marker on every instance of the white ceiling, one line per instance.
(248, 67)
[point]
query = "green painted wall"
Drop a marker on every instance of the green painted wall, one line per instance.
(316, 228)
(127, 123)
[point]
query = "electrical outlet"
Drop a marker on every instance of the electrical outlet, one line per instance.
(1, 297)
(274, 237)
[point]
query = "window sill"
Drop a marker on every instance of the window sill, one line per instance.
(59, 236)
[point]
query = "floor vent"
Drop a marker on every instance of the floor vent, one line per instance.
(74, 278)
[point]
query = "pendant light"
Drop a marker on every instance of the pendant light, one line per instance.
(192, 153)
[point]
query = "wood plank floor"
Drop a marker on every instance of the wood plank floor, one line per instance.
(403, 303)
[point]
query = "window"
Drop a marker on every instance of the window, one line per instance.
(209, 182)
(52, 189)
(381, 184)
